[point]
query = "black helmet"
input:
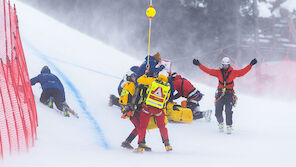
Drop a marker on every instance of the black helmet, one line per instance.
(45, 69)
(129, 75)
(172, 76)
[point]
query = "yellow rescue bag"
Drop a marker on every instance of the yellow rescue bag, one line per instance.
(180, 114)
(152, 122)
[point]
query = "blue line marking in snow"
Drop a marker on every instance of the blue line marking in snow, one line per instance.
(75, 91)
(85, 68)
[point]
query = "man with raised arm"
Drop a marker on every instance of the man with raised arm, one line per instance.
(225, 96)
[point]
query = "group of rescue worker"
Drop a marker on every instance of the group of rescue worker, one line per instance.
(146, 91)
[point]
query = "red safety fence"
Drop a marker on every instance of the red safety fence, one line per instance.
(18, 116)
(276, 79)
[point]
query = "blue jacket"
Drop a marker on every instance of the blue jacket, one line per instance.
(48, 80)
(135, 69)
(152, 67)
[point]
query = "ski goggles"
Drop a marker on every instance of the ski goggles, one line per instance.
(225, 65)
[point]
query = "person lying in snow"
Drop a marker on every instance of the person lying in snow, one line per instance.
(187, 90)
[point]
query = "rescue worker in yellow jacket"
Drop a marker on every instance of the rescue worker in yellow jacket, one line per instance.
(125, 101)
(158, 94)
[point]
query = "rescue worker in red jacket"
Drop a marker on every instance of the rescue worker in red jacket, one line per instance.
(187, 90)
(158, 94)
(225, 93)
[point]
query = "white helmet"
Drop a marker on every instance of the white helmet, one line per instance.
(225, 60)
(163, 76)
(129, 73)
(163, 72)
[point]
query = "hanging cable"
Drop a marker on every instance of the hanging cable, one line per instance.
(150, 12)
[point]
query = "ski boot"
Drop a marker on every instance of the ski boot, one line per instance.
(197, 115)
(141, 148)
(50, 102)
(127, 145)
(113, 100)
(67, 108)
(207, 115)
(66, 112)
(110, 103)
(167, 145)
(221, 127)
(229, 129)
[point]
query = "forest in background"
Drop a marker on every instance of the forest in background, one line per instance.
(182, 29)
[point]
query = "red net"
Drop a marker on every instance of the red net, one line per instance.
(18, 116)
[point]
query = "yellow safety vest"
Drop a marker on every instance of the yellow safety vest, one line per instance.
(157, 94)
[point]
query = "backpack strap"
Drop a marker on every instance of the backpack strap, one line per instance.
(224, 83)
(182, 83)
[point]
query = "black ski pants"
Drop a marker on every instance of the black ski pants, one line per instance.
(226, 102)
(194, 106)
(52, 92)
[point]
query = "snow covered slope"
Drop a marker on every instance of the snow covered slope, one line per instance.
(265, 6)
(264, 130)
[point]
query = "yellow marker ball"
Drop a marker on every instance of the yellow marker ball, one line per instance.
(150, 12)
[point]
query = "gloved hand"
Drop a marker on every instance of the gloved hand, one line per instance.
(196, 62)
(133, 107)
(125, 110)
(175, 108)
(253, 62)
(162, 67)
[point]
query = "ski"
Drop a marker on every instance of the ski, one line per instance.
(208, 115)
(66, 109)
(73, 113)
(58, 111)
